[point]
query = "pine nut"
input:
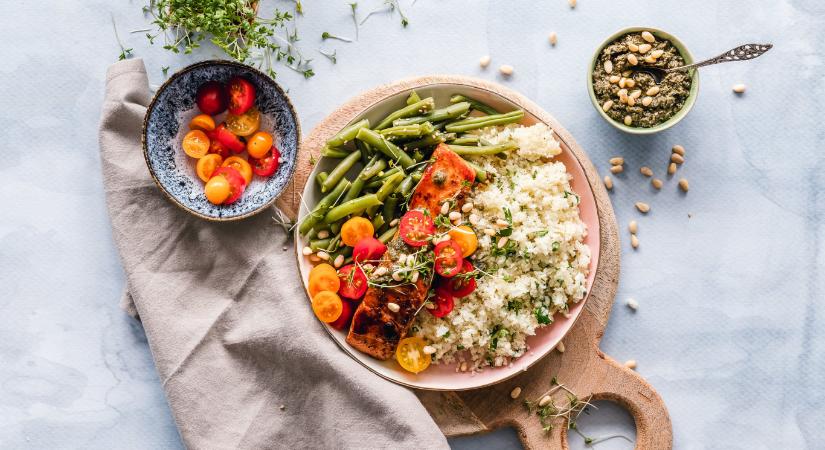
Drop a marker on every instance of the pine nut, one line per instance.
(429, 305)
(630, 364)
(393, 307)
(506, 70)
(314, 258)
(631, 101)
(323, 234)
(633, 47)
(657, 183)
(339, 261)
(642, 207)
(647, 36)
(634, 241)
(454, 215)
(614, 79)
(649, 59)
(484, 61)
(467, 207)
(572, 3)
(394, 222)
(646, 171)
(647, 101)
(445, 208)
(616, 161)
(644, 48)
(560, 347)
(616, 169)
(414, 276)
(607, 105)
(463, 367)
(671, 169)
(679, 150)
(323, 255)
(630, 82)
(502, 242)
(608, 66)
(428, 349)
(633, 227)
(653, 90)
(627, 73)
(623, 82)
(396, 276)
(632, 304)
(367, 267)
(306, 251)
(635, 94)
(544, 401)
(608, 182)
(683, 183)
(628, 120)
(489, 232)
(515, 393)
(677, 158)
(381, 270)
(739, 88)
(632, 59)
(657, 53)
(474, 219)
(501, 223)
(554, 38)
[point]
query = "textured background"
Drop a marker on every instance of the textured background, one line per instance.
(730, 328)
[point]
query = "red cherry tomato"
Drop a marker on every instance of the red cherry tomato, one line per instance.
(346, 315)
(462, 284)
(241, 95)
(416, 228)
(229, 140)
(448, 258)
(353, 282)
(215, 145)
(444, 303)
(266, 166)
(236, 182)
(368, 250)
(211, 98)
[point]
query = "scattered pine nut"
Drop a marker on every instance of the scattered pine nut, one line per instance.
(501, 223)
(394, 222)
(632, 59)
(633, 47)
(467, 207)
(617, 169)
(393, 307)
(635, 94)
(544, 401)
(339, 261)
(454, 215)
(502, 241)
(614, 79)
(630, 364)
(644, 48)
(632, 304)
(314, 258)
(628, 120)
(445, 208)
(679, 150)
(323, 255)
(282, 407)
(616, 161)
(608, 66)
(634, 241)
(739, 88)
(428, 349)
(553, 38)
(647, 101)
(607, 105)
(631, 101)
(642, 207)
(622, 82)
(671, 169)
(560, 347)
(484, 61)
(657, 183)
(463, 367)
(657, 53)
(650, 59)
(677, 158)
(683, 183)
(515, 393)
(306, 251)
(653, 90)
(608, 182)
(506, 70)
(633, 227)
(646, 171)
(473, 219)
(572, 3)
(489, 232)
(647, 36)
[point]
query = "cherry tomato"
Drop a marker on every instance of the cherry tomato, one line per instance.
(229, 140)
(356, 229)
(463, 284)
(416, 228)
(346, 315)
(266, 166)
(217, 190)
(241, 95)
(236, 181)
(215, 145)
(207, 165)
(241, 166)
(259, 144)
(196, 144)
(245, 124)
(323, 280)
(368, 250)
(466, 239)
(444, 303)
(211, 98)
(327, 306)
(448, 258)
(410, 354)
(321, 268)
(203, 122)
(353, 282)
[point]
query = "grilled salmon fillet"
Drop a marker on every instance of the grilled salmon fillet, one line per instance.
(375, 329)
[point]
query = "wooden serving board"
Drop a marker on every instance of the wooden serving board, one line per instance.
(583, 368)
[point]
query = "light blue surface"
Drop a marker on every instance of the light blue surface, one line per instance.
(729, 277)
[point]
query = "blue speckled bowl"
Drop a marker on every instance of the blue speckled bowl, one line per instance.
(166, 122)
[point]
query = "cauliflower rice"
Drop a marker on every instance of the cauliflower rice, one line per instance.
(540, 270)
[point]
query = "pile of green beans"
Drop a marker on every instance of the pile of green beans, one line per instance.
(380, 165)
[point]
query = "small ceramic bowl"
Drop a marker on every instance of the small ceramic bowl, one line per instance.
(166, 123)
(694, 87)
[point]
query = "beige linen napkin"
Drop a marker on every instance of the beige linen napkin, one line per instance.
(242, 360)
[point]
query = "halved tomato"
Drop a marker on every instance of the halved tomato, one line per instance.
(411, 356)
(368, 250)
(241, 95)
(416, 228)
(448, 258)
(211, 98)
(203, 122)
(346, 315)
(217, 190)
(229, 140)
(216, 147)
(327, 306)
(353, 282)
(266, 166)
(241, 166)
(244, 124)
(444, 303)
(207, 165)
(464, 283)
(196, 144)
(237, 184)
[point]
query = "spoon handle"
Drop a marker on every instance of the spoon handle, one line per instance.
(741, 53)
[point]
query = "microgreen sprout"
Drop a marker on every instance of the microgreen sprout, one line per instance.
(327, 35)
(353, 8)
(330, 56)
(124, 52)
(569, 410)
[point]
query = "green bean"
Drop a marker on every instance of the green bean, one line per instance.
(321, 208)
(347, 134)
(413, 98)
(320, 178)
(474, 123)
(337, 153)
(340, 170)
(372, 169)
(466, 139)
(334, 243)
(384, 146)
(377, 221)
(475, 150)
(416, 176)
(378, 182)
(336, 227)
(366, 151)
(387, 235)
(415, 130)
(426, 141)
(345, 250)
(389, 186)
(351, 207)
(388, 211)
(390, 172)
(405, 187)
(481, 174)
(354, 190)
(319, 244)
(475, 104)
(450, 112)
(410, 110)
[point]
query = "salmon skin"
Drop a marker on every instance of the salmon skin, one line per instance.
(375, 329)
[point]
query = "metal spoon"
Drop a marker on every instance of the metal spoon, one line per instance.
(741, 53)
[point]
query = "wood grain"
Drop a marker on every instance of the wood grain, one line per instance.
(583, 368)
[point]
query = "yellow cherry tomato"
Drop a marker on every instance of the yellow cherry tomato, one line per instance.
(196, 144)
(203, 122)
(323, 281)
(259, 144)
(206, 166)
(217, 190)
(327, 306)
(410, 354)
(466, 238)
(356, 229)
(320, 269)
(241, 165)
(245, 124)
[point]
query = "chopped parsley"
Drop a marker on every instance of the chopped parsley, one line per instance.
(542, 315)
(497, 333)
